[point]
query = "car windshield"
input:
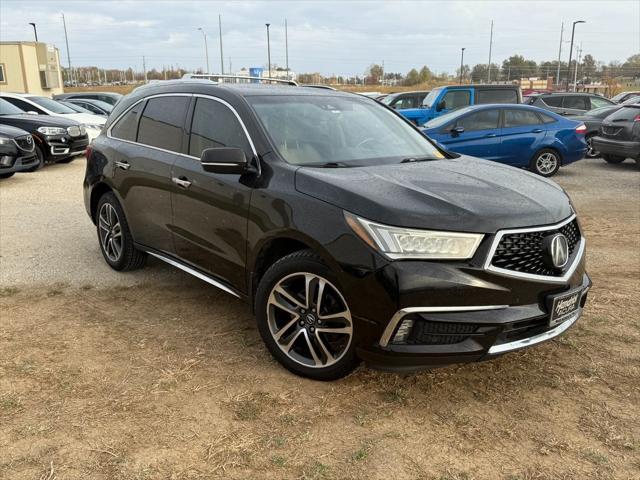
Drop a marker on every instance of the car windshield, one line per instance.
(447, 117)
(336, 131)
(388, 99)
(51, 105)
(7, 108)
(429, 99)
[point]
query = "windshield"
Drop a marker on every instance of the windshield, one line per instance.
(388, 99)
(429, 99)
(51, 105)
(338, 131)
(7, 108)
(447, 117)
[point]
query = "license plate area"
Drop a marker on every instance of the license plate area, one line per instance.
(564, 306)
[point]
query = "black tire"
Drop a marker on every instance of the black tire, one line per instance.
(591, 152)
(41, 160)
(344, 359)
(127, 257)
(613, 158)
(7, 175)
(540, 162)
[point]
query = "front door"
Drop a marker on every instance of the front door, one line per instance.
(210, 209)
(475, 134)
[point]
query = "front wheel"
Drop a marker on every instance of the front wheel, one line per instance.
(613, 158)
(41, 160)
(545, 163)
(304, 319)
(591, 152)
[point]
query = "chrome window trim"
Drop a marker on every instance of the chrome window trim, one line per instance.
(400, 314)
(530, 276)
(198, 95)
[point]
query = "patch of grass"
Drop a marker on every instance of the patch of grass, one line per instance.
(278, 461)
(8, 291)
(315, 471)
(361, 417)
(10, 402)
(250, 407)
(288, 419)
(396, 396)
(595, 457)
(363, 452)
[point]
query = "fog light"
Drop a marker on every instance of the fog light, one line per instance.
(403, 331)
(6, 161)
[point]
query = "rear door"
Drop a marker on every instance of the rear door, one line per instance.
(151, 136)
(575, 104)
(480, 137)
(210, 209)
(521, 135)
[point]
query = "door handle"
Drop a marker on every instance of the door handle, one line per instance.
(537, 130)
(490, 135)
(124, 165)
(181, 182)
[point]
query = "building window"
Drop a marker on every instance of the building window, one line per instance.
(3, 78)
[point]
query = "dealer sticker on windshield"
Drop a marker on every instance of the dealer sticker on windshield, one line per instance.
(564, 306)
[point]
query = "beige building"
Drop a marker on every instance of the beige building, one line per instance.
(30, 67)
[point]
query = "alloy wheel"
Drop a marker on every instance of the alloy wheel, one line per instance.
(591, 152)
(309, 320)
(546, 163)
(110, 232)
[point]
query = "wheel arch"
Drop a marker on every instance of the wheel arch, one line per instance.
(97, 192)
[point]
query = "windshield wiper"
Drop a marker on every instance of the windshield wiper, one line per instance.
(328, 165)
(418, 159)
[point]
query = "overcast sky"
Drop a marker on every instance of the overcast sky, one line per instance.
(341, 37)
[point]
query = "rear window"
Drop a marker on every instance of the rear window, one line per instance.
(624, 114)
(553, 100)
(161, 124)
(518, 118)
(497, 96)
(577, 102)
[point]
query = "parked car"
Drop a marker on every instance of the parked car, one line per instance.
(623, 96)
(37, 105)
(619, 136)
(96, 107)
(568, 103)
(16, 151)
(443, 100)
(352, 235)
(57, 139)
(108, 97)
(401, 100)
(592, 120)
(518, 135)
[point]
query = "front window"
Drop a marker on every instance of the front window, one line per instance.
(599, 102)
(388, 99)
(51, 105)
(7, 108)
(431, 97)
(339, 131)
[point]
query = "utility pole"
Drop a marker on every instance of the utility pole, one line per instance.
(559, 55)
(490, 46)
(221, 54)
(573, 31)
(382, 76)
(206, 48)
(575, 76)
(35, 31)
(461, 63)
(268, 49)
(286, 46)
(66, 39)
(230, 69)
(144, 67)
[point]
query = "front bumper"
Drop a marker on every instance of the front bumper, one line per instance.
(618, 148)
(10, 163)
(60, 147)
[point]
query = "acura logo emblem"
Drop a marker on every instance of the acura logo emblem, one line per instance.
(557, 247)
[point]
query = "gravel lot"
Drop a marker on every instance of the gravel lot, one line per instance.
(156, 375)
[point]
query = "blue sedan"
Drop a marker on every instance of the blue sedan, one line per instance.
(518, 135)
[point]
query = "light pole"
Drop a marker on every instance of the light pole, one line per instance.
(35, 32)
(206, 48)
(573, 31)
(221, 54)
(268, 50)
(461, 63)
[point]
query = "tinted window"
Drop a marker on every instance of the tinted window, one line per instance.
(553, 100)
(127, 127)
(599, 102)
(625, 113)
(22, 105)
(7, 108)
(485, 120)
(456, 99)
(518, 118)
(496, 96)
(404, 102)
(162, 121)
(575, 101)
(214, 125)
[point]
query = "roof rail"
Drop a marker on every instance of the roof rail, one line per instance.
(212, 76)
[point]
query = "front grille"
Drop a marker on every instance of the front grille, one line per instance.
(611, 131)
(523, 251)
(426, 332)
(25, 143)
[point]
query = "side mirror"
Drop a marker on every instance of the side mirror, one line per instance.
(224, 160)
(441, 106)
(455, 131)
(32, 112)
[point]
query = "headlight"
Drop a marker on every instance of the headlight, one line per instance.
(406, 243)
(52, 130)
(5, 141)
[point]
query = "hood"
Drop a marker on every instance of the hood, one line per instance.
(86, 118)
(35, 121)
(11, 132)
(464, 194)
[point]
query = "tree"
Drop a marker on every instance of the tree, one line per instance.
(374, 73)
(632, 66)
(412, 78)
(588, 68)
(465, 72)
(517, 67)
(425, 74)
(480, 72)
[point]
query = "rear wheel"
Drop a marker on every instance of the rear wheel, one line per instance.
(613, 158)
(545, 163)
(7, 175)
(304, 319)
(591, 152)
(116, 242)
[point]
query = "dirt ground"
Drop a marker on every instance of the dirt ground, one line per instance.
(156, 375)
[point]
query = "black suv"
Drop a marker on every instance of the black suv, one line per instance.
(567, 103)
(56, 139)
(619, 136)
(350, 233)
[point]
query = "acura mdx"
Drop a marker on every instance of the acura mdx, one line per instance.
(351, 235)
